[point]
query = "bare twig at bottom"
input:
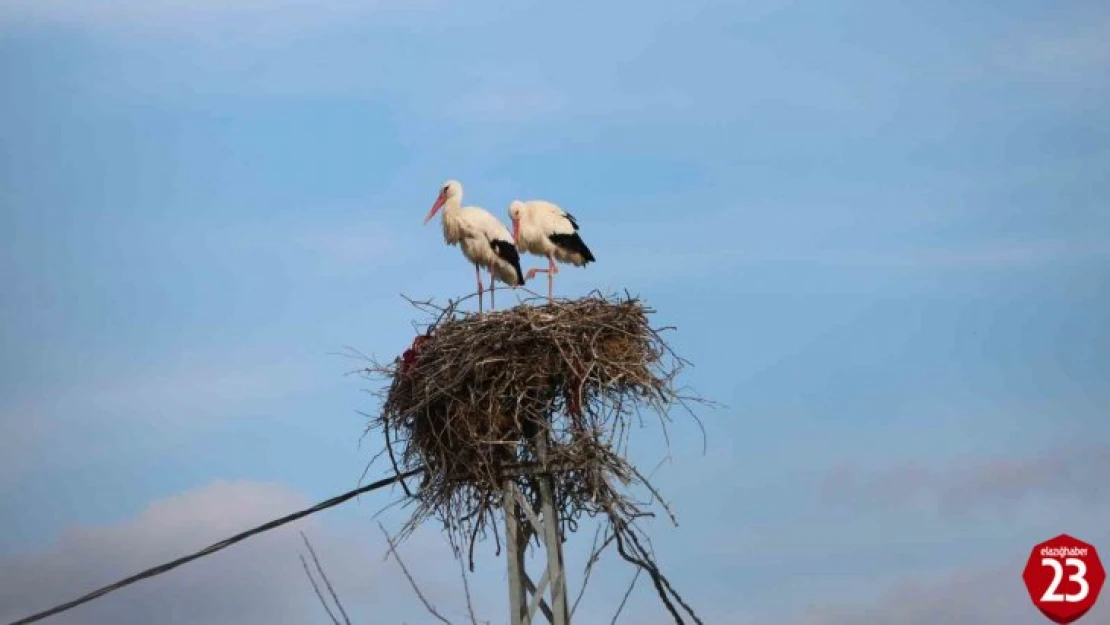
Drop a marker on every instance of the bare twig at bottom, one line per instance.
(412, 582)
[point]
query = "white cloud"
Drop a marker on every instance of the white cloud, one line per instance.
(173, 51)
(257, 581)
(84, 418)
(1064, 63)
(357, 246)
(974, 596)
(964, 597)
(507, 105)
(342, 241)
(1072, 474)
(754, 249)
(1080, 49)
(523, 100)
(828, 236)
(22, 435)
(909, 543)
(985, 255)
(210, 390)
(193, 386)
(139, 17)
(191, 389)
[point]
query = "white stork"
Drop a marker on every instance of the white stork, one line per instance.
(484, 240)
(544, 229)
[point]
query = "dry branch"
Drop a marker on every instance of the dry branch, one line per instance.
(412, 582)
(319, 595)
(327, 583)
(624, 599)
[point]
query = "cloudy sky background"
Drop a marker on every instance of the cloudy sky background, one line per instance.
(882, 232)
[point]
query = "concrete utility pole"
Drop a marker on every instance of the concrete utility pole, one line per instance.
(525, 597)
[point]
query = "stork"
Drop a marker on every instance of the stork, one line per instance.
(544, 229)
(484, 240)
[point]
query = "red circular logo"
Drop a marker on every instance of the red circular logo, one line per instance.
(1063, 577)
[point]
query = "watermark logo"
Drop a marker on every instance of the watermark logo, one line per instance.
(1064, 576)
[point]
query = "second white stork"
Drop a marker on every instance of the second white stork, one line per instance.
(484, 240)
(544, 229)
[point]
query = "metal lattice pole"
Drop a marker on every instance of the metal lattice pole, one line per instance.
(521, 521)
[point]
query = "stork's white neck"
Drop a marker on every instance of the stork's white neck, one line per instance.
(452, 203)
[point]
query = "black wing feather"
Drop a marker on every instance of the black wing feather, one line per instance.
(573, 243)
(507, 252)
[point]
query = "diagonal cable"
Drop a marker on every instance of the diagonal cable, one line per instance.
(162, 568)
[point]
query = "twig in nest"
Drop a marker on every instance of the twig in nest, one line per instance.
(466, 590)
(412, 582)
(643, 560)
(595, 555)
(624, 599)
(319, 595)
(327, 582)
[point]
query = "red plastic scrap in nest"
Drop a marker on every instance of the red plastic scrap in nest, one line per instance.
(408, 359)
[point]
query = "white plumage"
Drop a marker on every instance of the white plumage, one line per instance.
(484, 240)
(545, 229)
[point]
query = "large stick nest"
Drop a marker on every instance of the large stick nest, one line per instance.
(553, 388)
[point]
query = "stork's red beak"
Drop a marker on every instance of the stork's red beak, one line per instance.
(516, 232)
(435, 207)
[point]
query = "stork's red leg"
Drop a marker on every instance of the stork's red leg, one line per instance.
(551, 271)
(478, 276)
(491, 289)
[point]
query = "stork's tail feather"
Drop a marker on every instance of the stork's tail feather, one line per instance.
(519, 274)
(573, 244)
(587, 254)
(507, 252)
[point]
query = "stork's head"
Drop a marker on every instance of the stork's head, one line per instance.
(450, 190)
(516, 211)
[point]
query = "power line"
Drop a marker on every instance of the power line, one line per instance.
(158, 570)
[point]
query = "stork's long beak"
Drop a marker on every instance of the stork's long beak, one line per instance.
(435, 207)
(516, 232)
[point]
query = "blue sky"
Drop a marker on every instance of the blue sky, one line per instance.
(882, 231)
